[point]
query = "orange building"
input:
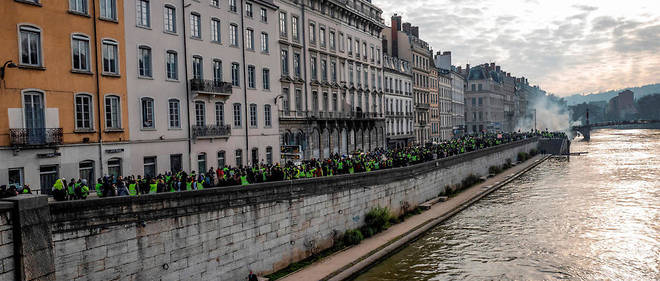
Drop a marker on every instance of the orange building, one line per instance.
(63, 91)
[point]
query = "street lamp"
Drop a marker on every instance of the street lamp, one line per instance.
(7, 64)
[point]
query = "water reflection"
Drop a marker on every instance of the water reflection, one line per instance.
(596, 216)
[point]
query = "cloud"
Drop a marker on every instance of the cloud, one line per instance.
(563, 47)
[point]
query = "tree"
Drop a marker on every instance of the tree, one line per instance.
(649, 107)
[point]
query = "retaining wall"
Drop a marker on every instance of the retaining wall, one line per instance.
(221, 234)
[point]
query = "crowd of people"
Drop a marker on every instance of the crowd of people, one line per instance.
(336, 164)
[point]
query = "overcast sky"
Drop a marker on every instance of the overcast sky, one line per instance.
(564, 46)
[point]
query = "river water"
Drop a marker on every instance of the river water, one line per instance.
(595, 217)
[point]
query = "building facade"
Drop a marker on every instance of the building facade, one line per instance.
(398, 101)
(444, 104)
(331, 77)
(457, 102)
(63, 91)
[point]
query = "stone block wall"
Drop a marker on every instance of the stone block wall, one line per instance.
(221, 234)
(7, 272)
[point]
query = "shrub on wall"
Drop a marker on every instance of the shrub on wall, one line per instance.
(378, 218)
(522, 156)
(533, 152)
(353, 237)
(494, 170)
(470, 180)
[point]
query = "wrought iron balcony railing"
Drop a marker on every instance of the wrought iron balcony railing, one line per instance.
(210, 131)
(212, 87)
(35, 136)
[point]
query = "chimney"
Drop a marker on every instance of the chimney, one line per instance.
(492, 65)
(446, 53)
(508, 74)
(467, 69)
(415, 31)
(497, 68)
(396, 26)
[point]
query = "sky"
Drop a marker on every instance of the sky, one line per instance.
(566, 47)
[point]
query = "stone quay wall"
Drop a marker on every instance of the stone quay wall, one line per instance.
(223, 233)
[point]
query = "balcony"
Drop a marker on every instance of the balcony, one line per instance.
(211, 131)
(210, 87)
(423, 105)
(35, 137)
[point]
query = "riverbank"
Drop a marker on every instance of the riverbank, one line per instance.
(350, 262)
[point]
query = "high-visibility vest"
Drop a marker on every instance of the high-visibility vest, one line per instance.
(153, 188)
(85, 191)
(244, 180)
(200, 186)
(131, 189)
(99, 192)
(188, 185)
(70, 189)
(58, 185)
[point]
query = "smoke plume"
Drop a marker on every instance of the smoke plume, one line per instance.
(550, 114)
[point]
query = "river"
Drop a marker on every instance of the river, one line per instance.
(595, 217)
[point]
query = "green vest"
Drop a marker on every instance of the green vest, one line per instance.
(244, 180)
(70, 189)
(99, 192)
(131, 189)
(200, 186)
(188, 185)
(85, 191)
(153, 188)
(25, 190)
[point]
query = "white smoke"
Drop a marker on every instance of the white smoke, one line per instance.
(550, 115)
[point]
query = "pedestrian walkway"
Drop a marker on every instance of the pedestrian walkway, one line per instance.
(343, 264)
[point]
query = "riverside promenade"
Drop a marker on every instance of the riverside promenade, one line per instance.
(352, 261)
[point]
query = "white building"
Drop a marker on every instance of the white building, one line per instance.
(331, 75)
(156, 86)
(457, 102)
(445, 104)
(398, 101)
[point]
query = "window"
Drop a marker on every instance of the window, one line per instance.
(269, 155)
(350, 46)
(233, 34)
(110, 57)
(108, 9)
(239, 157)
(235, 69)
(176, 162)
(237, 115)
(364, 49)
(324, 70)
(195, 25)
(268, 122)
(295, 33)
(144, 61)
(219, 113)
(200, 113)
(217, 71)
(80, 50)
(16, 177)
(84, 112)
(253, 115)
(312, 62)
(148, 113)
(255, 155)
(331, 38)
(215, 3)
(322, 36)
(249, 38)
(264, 15)
(284, 57)
(142, 13)
(248, 10)
(357, 48)
(169, 19)
(333, 71)
(266, 78)
(197, 67)
(174, 110)
(251, 76)
(298, 100)
(221, 159)
(30, 51)
(283, 24)
(150, 166)
(341, 42)
(114, 167)
(334, 102)
(296, 64)
(264, 42)
(312, 33)
(232, 6)
(215, 30)
(171, 65)
(201, 162)
(112, 117)
(78, 6)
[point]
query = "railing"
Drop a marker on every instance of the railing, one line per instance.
(210, 86)
(330, 114)
(423, 105)
(35, 136)
(211, 131)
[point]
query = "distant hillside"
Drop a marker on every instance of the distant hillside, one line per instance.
(605, 96)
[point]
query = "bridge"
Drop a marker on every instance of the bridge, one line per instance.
(585, 130)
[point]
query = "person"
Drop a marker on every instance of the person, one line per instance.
(58, 190)
(121, 187)
(84, 189)
(252, 276)
(26, 189)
